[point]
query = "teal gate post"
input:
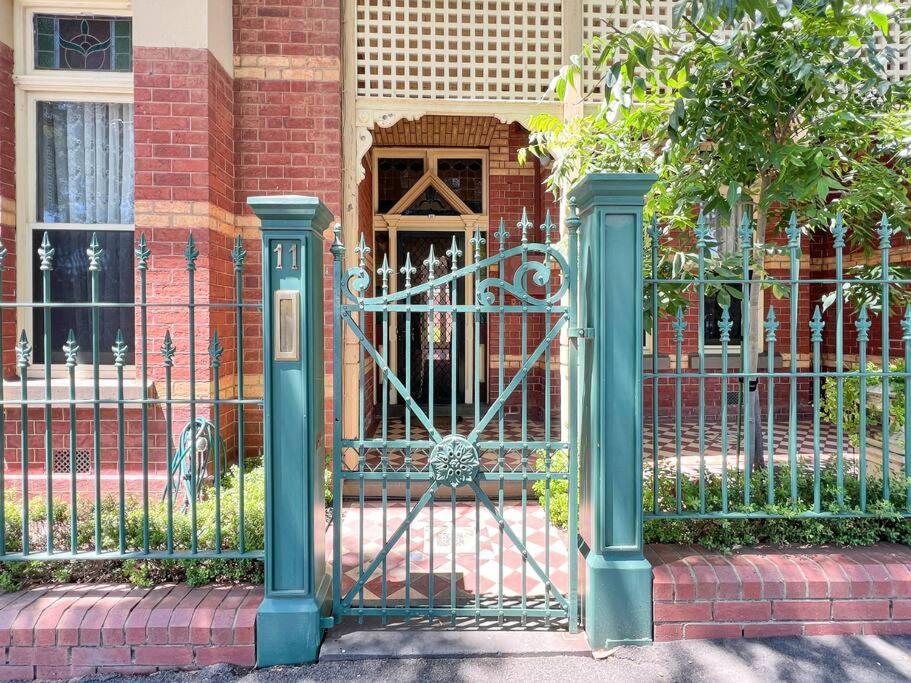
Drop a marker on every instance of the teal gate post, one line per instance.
(617, 583)
(289, 624)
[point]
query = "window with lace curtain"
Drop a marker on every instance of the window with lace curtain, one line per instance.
(81, 171)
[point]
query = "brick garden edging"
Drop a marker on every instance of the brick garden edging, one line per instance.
(74, 630)
(760, 592)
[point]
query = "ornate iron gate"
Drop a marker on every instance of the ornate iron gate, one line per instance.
(435, 515)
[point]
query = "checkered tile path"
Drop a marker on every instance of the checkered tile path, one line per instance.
(476, 563)
(689, 444)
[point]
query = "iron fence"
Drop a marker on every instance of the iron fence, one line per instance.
(820, 421)
(130, 458)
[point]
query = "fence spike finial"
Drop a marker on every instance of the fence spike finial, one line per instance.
(477, 242)
(215, 351)
(863, 325)
(46, 253)
(573, 222)
(679, 325)
(501, 233)
(839, 231)
(547, 227)
(168, 350)
(337, 248)
(119, 349)
(384, 271)
(725, 324)
(746, 231)
(238, 254)
(771, 326)
(70, 349)
(362, 250)
(408, 270)
(431, 262)
(191, 253)
(524, 225)
(816, 326)
(94, 253)
(702, 229)
(793, 231)
(143, 253)
(454, 253)
(23, 350)
(885, 232)
(906, 326)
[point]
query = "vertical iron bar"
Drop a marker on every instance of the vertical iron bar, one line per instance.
(69, 349)
(572, 226)
(167, 351)
(816, 327)
(338, 252)
(23, 352)
(46, 254)
(679, 329)
(771, 328)
(701, 234)
(408, 270)
(384, 272)
(501, 236)
(191, 254)
(362, 250)
(793, 233)
(477, 241)
(142, 256)
(885, 234)
(94, 253)
(655, 236)
(724, 327)
(838, 232)
(548, 262)
(239, 255)
(863, 326)
(215, 351)
(119, 350)
(746, 239)
(524, 225)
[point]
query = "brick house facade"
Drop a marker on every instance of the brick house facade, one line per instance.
(232, 100)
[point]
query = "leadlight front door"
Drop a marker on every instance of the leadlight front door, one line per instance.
(431, 366)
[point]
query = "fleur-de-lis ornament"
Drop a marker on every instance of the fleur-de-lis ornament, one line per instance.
(215, 351)
(501, 234)
(119, 349)
(168, 350)
(70, 349)
(143, 253)
(702, 230)
(191, 253)
(725, 324)
(816, 326)
(23, 351)
(793, 231)
(384, 271)
(453, 253)
(863, 325)
(906, 325)
(771, 326)
(524, 225)
(838, 232)
(746, 231)
(362, 250)
(885, 232)
(94, 252)
(477, 242)
(408, 270)
(431, 262)
(679, 325)
(46, 253)
(238, 255)
(548, 227)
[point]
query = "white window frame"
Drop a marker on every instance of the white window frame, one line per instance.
(41, 85)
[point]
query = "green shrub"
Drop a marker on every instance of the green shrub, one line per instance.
(559, 488)
(851, 402)
(885, 525)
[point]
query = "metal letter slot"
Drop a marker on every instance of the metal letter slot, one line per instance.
(286, 324)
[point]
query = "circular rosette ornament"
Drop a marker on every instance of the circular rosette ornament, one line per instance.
(454, 461)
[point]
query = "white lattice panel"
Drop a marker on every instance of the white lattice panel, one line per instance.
(599, 18)
(458, 49)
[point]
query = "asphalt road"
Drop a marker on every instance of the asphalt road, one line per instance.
(841, 659)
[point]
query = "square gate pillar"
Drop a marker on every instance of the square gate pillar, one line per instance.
(617, 579)
(289, 623)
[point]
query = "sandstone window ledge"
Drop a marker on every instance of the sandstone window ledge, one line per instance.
(60, 389)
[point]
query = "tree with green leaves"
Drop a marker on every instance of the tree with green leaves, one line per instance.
(786, 105)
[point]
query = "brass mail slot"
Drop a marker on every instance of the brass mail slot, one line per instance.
(286, 324)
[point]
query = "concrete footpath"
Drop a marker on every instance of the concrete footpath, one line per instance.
(831, 658)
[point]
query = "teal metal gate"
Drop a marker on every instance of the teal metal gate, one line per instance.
(434, 513)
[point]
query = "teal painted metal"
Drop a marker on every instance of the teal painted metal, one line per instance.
(112, 512)
(289, 624)
(817, 372)
(542, 289)
(616, 594)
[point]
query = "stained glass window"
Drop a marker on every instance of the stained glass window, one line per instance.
(394, 178)
(465, 177)
(83, 43)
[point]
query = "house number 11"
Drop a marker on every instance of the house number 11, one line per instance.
(279, 256)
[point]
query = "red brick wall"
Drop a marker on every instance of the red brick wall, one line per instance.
(780, 592)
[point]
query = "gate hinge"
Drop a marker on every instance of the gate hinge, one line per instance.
(582, 333)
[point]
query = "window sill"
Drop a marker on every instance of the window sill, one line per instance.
(713, 359)
(60, 389)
